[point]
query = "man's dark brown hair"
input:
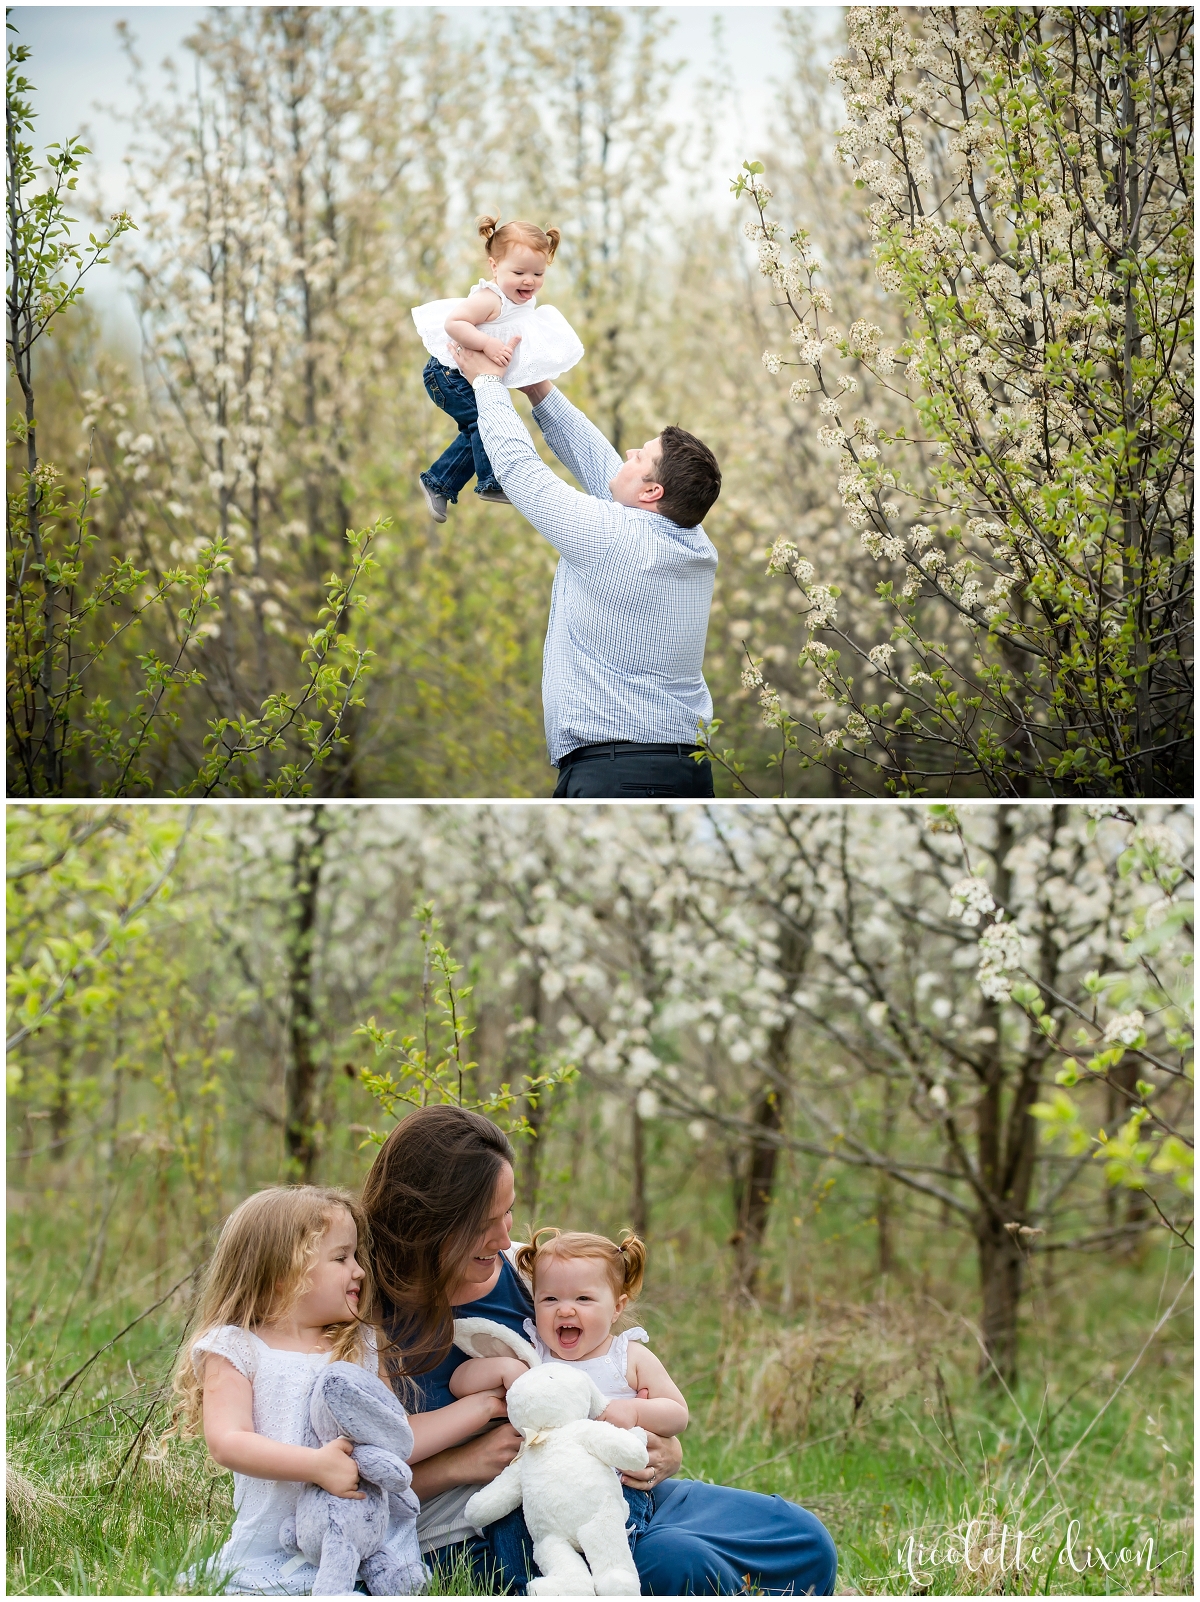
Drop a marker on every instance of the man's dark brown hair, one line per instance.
(689, 475)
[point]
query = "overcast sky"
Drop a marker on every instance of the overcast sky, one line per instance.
(79, 72)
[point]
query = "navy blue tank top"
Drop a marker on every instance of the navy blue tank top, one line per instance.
(508, 1302)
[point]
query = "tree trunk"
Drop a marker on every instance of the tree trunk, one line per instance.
(754, 1191)
(1007, 1141)
(113, 1183)
(885, 1260)
(302, 1079)
(758, 1180)
(530, 1174)
(998, 1252)
(640, 1210)
(1000, 1273)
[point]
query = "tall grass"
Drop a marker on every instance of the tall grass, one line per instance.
(854, 1395)
(867, 1411)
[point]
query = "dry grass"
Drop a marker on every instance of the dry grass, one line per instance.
(836, 1368)
(29, 1503)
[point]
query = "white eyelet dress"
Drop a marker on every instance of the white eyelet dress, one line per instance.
(609, 1372)
(549, 345)
(252, 1562)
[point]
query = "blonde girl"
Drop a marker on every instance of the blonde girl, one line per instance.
(286, 1292)
(501, 318)
(582, 1286)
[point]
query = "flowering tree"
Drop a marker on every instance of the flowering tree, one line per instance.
(592, 142)
(894, 999)
(975, 1026)
(50, 603)
(68, 649)
(1031, 181)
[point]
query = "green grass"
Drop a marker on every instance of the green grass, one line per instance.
(867, 1412)
(856, 1397)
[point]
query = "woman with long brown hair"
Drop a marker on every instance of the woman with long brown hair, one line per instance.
(439, 1200)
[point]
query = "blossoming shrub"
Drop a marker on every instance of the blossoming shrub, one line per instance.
(1029, 175)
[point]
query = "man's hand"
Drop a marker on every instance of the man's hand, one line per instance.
(472, 364)
(537, 392)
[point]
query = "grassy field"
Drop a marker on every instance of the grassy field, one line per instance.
(858, 1400)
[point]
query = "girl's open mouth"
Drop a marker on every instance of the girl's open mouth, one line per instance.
(568, 1336)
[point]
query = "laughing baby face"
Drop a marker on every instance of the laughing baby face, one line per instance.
(575, 1307)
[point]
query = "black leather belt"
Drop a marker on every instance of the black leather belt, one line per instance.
(616, 748)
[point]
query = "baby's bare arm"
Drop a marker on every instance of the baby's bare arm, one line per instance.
(467, 321)
(659, 1406)
(485, 1374)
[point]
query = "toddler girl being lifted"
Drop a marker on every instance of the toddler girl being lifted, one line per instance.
(501, 318)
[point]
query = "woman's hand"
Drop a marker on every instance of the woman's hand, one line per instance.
(487, 1454)
(335, 1471)
(447, 1427)
(488, 1406)
(474, 1463)
(666, 1458)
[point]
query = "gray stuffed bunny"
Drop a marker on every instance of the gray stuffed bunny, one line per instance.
(375, 1538)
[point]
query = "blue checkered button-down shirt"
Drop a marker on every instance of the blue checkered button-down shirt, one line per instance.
(629, 610)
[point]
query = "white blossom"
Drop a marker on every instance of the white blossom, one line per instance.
(969, 899)
(1001, 950)
(1125, 1028)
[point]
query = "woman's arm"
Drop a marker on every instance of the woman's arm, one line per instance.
(445, 1427)
(474, 1463)
(233, 1443)
(486, 1374)
(465, 325)
(661, 1408)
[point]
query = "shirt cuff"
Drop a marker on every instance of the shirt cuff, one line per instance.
(555, 404)
(487, 378)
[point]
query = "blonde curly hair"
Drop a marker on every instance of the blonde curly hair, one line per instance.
(260, 1269)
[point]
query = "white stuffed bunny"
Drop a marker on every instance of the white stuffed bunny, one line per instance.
(563, 1477)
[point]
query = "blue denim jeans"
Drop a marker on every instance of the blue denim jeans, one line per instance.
(465, 456)
(692, 1539)
(508, 1549)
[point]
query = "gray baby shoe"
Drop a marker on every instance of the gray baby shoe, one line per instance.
(436, 503)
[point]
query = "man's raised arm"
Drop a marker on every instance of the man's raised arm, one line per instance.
(579, 526)
(577, 442)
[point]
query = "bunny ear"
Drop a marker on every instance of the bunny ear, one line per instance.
(483, 1337)
(599, 1400)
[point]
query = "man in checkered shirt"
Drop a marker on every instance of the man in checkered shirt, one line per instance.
(623, 686)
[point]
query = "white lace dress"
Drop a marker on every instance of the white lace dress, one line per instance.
(549, 345)
(252, 1562)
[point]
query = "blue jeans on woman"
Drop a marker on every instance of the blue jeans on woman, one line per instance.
(465, 456)
(689, 1538)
